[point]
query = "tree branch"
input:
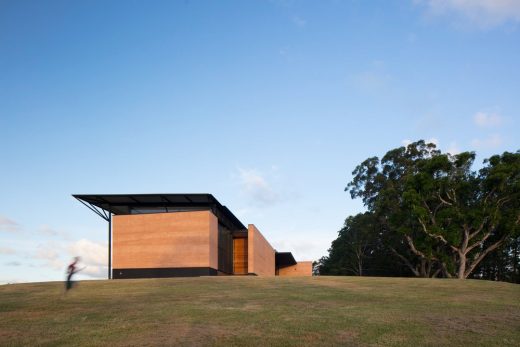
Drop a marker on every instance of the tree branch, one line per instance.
(479, 229)
(432, 215)
(484, 238)
(442, 200)
(412, 247)
(478, 258)
(452, 198)
(435, 236)
(405, 261)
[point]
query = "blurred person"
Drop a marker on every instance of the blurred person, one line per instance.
(71, 270)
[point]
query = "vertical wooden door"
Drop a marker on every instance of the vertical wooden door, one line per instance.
(240, 256)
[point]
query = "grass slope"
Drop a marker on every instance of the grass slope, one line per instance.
(227, 311)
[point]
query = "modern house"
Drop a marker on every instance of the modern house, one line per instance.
(169, 235)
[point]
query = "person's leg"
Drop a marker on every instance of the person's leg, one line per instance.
(69, 282)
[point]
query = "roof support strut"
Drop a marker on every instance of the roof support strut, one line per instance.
(109, 245)
(106, 215)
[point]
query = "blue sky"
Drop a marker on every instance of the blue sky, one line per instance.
(268, 105)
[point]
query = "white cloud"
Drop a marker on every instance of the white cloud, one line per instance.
(45, 229)
(7, 224)
(50, 231)
(453, 149)
(7, 250)
(256, 188)
(486, 120)
(298, 21)
(302, 248)
(57, 255)
(94, 257)
(49, 253)
(433, 140)
(484, 13)
(492, 141)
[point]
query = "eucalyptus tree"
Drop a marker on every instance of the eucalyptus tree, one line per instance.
(441, 210)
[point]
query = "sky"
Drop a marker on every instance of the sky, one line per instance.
(267, 105)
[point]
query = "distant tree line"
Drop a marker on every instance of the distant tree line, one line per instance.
(429, 214)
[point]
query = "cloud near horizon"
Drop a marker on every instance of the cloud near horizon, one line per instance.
(453, 147)
(7, 224)
(57, 255)
(7, 250)
(50, 255)
(433, 140)
(93, 256)
(490, 142)
(302, 248)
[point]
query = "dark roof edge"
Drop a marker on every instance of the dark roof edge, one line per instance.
(100, 201)
(284, 259)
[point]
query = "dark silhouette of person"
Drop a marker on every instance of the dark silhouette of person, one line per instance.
(71, 270)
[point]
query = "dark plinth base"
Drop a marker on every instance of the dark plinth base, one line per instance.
(163, 272)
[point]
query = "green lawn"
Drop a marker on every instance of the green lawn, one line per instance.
(243, 311)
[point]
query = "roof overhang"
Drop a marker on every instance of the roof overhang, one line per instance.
(122, 204)
(284, 259)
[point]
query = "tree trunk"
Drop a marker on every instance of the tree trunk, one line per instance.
(423, 268)
(359, 256)
(445, 271)
(462, 266)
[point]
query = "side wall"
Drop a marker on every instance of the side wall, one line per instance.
(165, 240)
(302, 268)
(260, 254)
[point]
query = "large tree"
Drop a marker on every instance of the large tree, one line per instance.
(448, 216)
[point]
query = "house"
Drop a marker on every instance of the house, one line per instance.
(170, 235)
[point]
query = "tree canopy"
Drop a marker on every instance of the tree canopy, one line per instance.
(432, 211)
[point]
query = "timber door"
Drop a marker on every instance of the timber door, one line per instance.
(240, 256)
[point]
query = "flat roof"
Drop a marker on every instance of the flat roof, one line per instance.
(121, 204)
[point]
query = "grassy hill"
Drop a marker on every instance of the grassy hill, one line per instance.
(227, 311)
